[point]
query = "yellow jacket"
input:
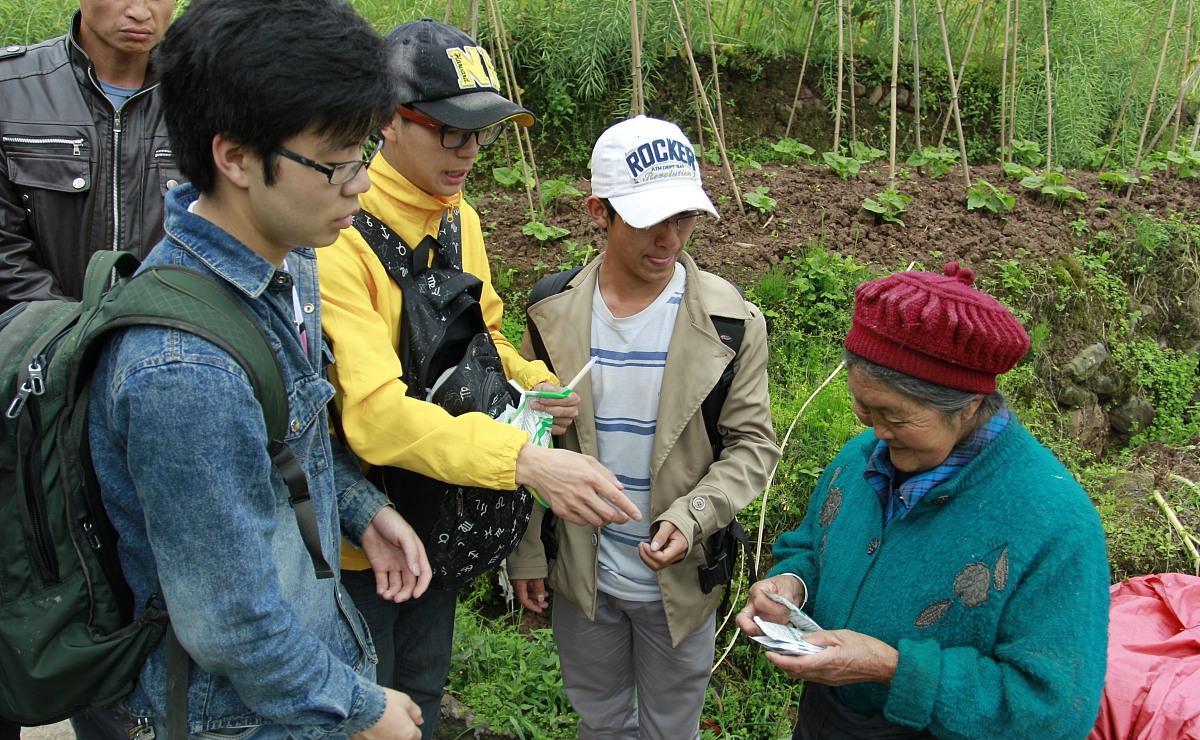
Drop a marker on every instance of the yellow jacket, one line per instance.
(360, 308)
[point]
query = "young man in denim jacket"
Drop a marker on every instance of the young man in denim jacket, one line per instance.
(269, 105)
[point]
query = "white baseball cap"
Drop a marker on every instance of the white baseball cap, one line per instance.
(647, 169)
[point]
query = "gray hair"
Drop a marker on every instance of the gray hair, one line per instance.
(947, 401)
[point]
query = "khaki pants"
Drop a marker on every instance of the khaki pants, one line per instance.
(622, 675)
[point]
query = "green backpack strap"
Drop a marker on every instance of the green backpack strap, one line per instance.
(180, 298)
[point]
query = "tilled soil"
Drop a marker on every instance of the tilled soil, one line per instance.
(815, 206)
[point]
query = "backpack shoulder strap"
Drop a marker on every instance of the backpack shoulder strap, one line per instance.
(544, 288)
(395, 254)
(180, 298)
(731, 332)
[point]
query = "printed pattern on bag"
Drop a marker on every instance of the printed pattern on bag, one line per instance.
(448, 358)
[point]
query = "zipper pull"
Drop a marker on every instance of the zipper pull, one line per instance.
(18, 403)
(37, 381)
(77, 147)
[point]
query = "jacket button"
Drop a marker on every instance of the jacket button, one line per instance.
(872, 546)
(309, 308)
(24, 196)
(698, 503)
(295, 425)
(78, 183)
(595, 540)
(172, 183)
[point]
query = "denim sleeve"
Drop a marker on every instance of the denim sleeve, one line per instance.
(196, 456)
(358, 500)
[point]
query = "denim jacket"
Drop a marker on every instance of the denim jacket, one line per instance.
(179, 447)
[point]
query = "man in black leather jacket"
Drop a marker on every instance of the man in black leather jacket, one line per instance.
(84, 155)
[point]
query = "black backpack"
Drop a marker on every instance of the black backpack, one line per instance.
(68, 639)
(443, 337)
(724, 544)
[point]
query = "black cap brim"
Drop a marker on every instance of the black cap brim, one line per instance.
(475, 110)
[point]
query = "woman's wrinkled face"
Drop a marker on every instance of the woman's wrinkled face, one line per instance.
(919, 437)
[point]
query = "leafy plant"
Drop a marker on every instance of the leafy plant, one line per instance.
(1120, 178)
(888, 205)
(987, 196)
(575, 254)
(556, 189)
(864, 152)
(543, 232)
(1027, 152)
(1054, 185)
(791, 150)
(519, 175)
(759, 199)
(845, 167)
(1079, 227)
(934, 161)
(1186, 161)
(1017, 171)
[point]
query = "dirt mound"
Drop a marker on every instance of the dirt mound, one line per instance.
(815, 206)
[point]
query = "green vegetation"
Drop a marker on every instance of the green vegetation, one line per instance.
(759, 199)
(987, 196)
(888, 205)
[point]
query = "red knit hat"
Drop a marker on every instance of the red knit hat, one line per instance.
(937, 328)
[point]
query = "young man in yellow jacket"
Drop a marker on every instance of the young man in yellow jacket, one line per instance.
(634, 628)
(450, 108)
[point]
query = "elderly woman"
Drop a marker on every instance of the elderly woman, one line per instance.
(958, 569)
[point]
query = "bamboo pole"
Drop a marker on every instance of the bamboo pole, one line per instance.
(636, 104)
(1049, 84)
(716, 77)
(1162, 60)
(449, 11)
(1175, 109)
(1137, 68)
(510, 79)
(962, 68)
(1180, 530)
(1012, 105)
(1187, 47)
(1004, 80)
(812, 26)
(687, 11)
(962, 141)
(837, 117)
(895, 74)
(1196, 131)
(916, 51)
(473, 13)
(850, 59)
(687, 46)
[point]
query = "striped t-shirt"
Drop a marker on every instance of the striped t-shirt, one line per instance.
(626, 383)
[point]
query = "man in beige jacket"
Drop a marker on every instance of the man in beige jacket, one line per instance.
(634, 629)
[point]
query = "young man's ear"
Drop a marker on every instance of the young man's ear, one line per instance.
(233, 160)
(391, 129)
(595, 208)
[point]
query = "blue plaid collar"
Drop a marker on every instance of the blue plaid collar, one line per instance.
(899, 499)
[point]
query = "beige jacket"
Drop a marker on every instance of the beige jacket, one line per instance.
(688, 489)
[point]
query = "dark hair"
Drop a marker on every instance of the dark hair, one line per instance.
(947, 401)
(261, 73)
(608, 206)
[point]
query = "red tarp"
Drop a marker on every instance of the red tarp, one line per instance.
(1152, 689)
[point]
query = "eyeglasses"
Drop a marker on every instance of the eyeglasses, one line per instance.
(338, 173)
(454, 138)
(680, 222)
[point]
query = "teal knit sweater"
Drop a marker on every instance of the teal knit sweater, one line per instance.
(994, 590)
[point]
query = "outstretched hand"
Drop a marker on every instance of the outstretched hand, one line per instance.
(397, 556)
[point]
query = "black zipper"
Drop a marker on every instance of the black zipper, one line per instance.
(44, 555)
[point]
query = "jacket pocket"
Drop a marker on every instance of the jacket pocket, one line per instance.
(59, 160)
(165, 170)
(307, 424)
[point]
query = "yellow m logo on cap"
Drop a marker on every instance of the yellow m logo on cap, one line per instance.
(475, 68)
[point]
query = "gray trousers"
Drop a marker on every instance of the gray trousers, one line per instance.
(622, 675)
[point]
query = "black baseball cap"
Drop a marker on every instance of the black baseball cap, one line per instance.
(445, 74)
